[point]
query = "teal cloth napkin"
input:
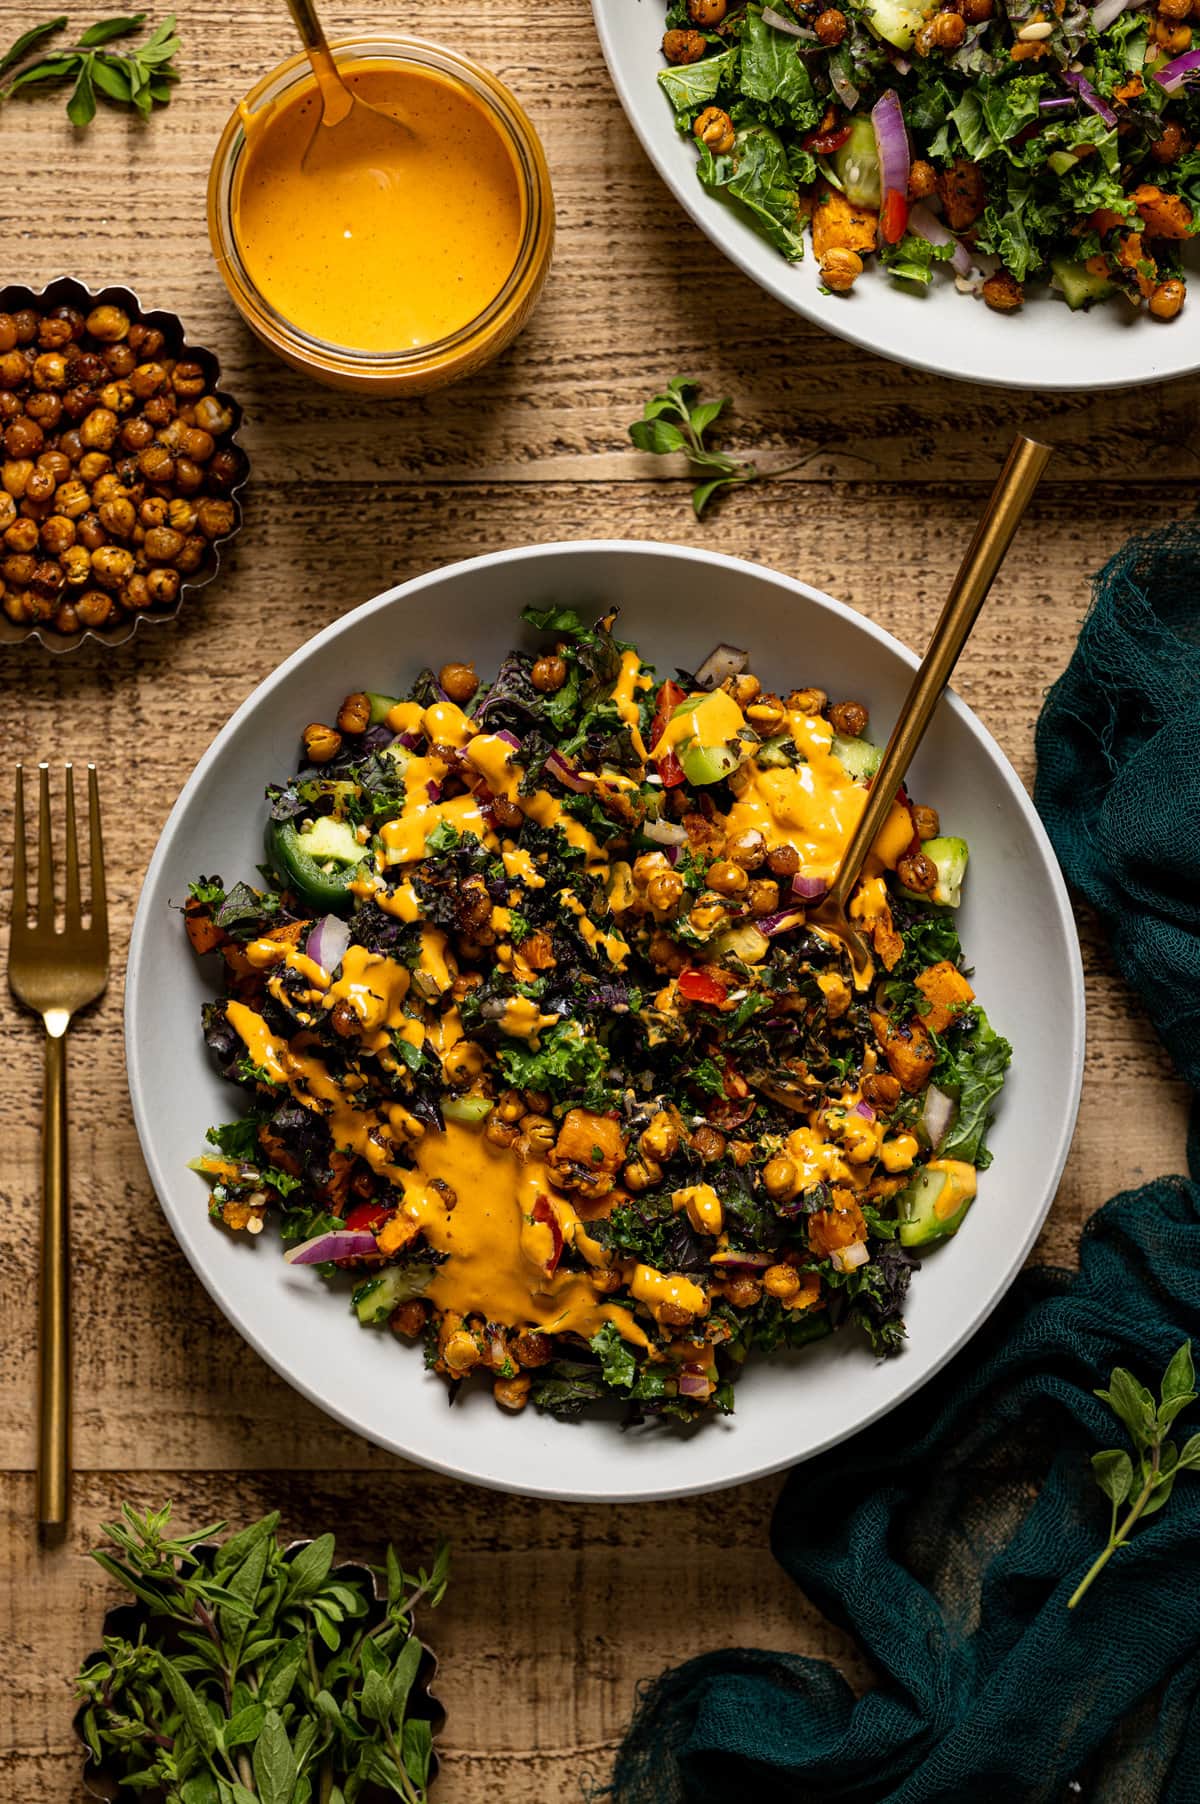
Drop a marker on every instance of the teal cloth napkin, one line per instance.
(948, 1538)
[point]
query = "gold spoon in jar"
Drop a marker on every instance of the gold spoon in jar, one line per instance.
(984, 555)
(347, 126)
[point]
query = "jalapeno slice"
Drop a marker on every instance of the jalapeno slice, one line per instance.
(318, 863)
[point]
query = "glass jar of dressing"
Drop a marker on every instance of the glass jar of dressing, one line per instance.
(385, 274)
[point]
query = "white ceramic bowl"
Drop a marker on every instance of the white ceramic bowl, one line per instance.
(1044, 347)
(1016, 926)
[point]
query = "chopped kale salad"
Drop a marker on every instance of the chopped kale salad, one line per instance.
(1008, 140)
(534, 1038)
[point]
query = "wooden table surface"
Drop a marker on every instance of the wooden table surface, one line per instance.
(555, 1611)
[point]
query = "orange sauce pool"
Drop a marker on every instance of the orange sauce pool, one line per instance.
(387, 241)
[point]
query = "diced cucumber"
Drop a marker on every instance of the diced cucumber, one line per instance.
(707, 763)
(1077, 283)
(950, 857)
(381, 706)
(894, 23)
(375, 1299)
(859, 758)
(935, 1203)
(327, 838)
(467, 1109)
(778, 753)
(856, 164)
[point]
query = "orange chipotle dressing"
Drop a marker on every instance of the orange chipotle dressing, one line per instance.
(391, 243)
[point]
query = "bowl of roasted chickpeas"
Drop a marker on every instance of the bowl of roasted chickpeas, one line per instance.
(121, 468)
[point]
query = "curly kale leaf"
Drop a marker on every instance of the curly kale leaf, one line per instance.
(648, 1228)
(872, 1296)
(971, 1068)
(569, 1064)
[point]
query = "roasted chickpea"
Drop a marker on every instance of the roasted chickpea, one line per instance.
(50, 370)
(742, 1291)
(215, 518)
(917, 871)
(660, 1139)
(512, 1393)
(18, 569)
(881, 1089)
(89, 532)
(807, 701)
(48, 577)
(783, 861)
(147, 379)
(45, 409)
(744, 688)
(459, 681)
(8, 333)
(926, 821)
(57, 535)
(14, 370)
(321, 743)
(23, 438)
(16, 473)
(781, 1281)
(715, 128)
(181, 514)
(213, 416)
(678, 47)
(976, 12)
(548, 675)
(354, 715)
(197, 445)
(39, 490)
(706, 13)
(641, 1174)
(187, 379)
(72, 499)
(94, 607)
(77, 565)
(8, 510)
(830, 26)
(767, 713)
(727, 878)
(98, 429)
(118, 516)
(664, 892)
(192, 554)
(111, 565)
(840, 269)
(849, 719)
(22, 535)
(26, 323)
(763, 897)
(948, 30)
(157, 465)
(781, 1177)
(16, 605)
(532, 1348)
(163, 587)
(93, 465)
(1167, 299)
(408, 1319)
(922, 179)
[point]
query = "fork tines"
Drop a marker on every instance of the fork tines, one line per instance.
(44, 920)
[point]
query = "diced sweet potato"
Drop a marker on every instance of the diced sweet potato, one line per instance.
(886, 941)
(1162, 215)
(593, 1141)
(202, 931)
(947, 992)
(837, 225)
(907, 1048)
(962, 193)
(830, 1229)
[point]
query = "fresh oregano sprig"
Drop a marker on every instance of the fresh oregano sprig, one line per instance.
(675, 421)
(256, 1679)
(1146, 1485)
(137, 78)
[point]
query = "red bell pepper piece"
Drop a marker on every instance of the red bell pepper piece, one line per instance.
(366, 1217)
(825, 143)
(700, 986)
(669, 768)
(543, 1210)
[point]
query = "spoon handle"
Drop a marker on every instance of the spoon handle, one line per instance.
(993, 535)
(336, 98)
(304, 16)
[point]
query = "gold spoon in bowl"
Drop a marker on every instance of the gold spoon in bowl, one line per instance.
(984, 555)
(348, 126)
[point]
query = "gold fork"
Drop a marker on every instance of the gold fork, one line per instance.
(56, 972)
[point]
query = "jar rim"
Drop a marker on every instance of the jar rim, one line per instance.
(503, 110)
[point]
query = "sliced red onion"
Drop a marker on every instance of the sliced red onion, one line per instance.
(1173, 75)
(722, 661)
(1058, 103)
(665, 833)
(891, 142)
(850, 1258)
(1108, 10)
(327, 943)
(433, 791)
(410, 741)
(343, 1243)
(779, 22)
(898, 60)
(809, 889)
(938, 1114)
(865, 1110)
(750, 1262)
(1088, 95)
(694, 1384)
(782, 922)
(567, 775)
(508, 738)
(927, 225)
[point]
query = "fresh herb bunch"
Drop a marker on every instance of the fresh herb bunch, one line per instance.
(136, 78)
(257, 1679)
(675, 421)
(1150, 1482)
